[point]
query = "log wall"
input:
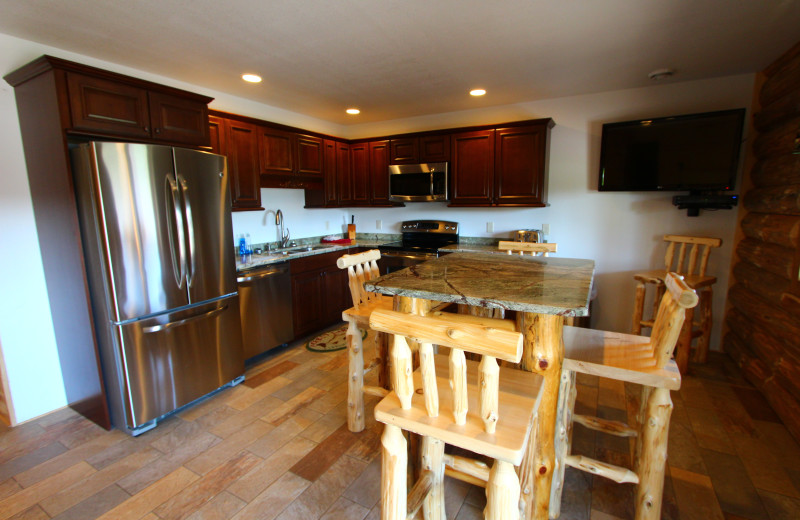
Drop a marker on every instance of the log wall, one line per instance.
(763, 316)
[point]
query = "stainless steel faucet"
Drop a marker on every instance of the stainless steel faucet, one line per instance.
(283, 236)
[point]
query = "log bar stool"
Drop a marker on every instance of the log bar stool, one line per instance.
(534, 248)
(481, 408)
(633, 359)
(360, 268)
(680, 249)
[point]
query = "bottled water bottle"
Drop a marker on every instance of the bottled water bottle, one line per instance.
(242, 249)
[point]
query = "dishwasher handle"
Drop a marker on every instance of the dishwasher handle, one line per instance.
(261, 274)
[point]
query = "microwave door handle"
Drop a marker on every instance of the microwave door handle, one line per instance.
(190, 231)
(175, 220)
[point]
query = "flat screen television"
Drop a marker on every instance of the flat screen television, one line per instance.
(695, 152)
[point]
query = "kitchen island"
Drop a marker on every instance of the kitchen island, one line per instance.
(543, 291)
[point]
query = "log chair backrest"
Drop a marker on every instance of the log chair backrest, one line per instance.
(448, 330)
(534, 248)
(671, 313)
(360, 267)
(680, 248)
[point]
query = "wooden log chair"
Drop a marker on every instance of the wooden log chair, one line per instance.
(532, 248)
(687, 256)
(634, 359)
(362, 267)
(480, 407)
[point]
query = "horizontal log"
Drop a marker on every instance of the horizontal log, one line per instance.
(787, 374)
(760, 343)
(463, 477)
(784, 200)
(773, 320)
(782, 230)
(783, 77)
(775, 259)
(620, 429)
(791, 304)
(736, 348)
(776, 170)
(472, 467)
(778, 140)
(787, 408)
(595, 467)
(777, 113)
(376, 391)
(764, 283)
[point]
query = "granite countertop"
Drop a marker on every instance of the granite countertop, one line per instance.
(299, 251)
(542, 285)
(466, 247)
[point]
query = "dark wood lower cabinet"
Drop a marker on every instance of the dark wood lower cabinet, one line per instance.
(319, 292)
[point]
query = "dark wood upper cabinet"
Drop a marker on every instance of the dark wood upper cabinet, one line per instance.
(422, 149)
(309, 155)
(238, 141)
(359, 172)
(330, 182)
(113, 108)
(472, 171)
(379, 173)
(277, 151)
(344, 181)
(290, 159)
(216, 135)
(520, 166)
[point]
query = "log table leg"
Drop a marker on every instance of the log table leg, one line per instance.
(433, 461)
(543, 353)
(393, 474)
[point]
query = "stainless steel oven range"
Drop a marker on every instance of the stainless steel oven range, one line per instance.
(421, 240)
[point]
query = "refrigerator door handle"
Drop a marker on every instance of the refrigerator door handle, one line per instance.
(173, 324)
(176, 221)
(190, 230)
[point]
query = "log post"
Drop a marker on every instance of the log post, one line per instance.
(652, 456)
(355, 378)
(393, 474)
(433, 461)
(458, 380)
(489, 383)
(563, 438)
(402, 378)
(502, 492)
(428, 371)
(638, 308)
(543, 353)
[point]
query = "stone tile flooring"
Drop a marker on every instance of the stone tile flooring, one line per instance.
(277, 446)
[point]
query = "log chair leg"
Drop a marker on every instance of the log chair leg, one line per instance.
(683, 348)
(433, 460)
(701, 352)
(563, 439)
(355, 379)
(393, 474)
(638, 309)
(502, 493)
(543, 353)
(652, 457)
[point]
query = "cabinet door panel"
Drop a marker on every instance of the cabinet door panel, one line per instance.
(434, 148)
(107, 107)
(242, 152)
(309, 155)
(379, 172)
(520, 165)
(308, 302)
(473, 168)
(359, 167)
(276, 151)
(404, 151)
(178, 120)
(344, 179)
(330, 181)
(216, 135)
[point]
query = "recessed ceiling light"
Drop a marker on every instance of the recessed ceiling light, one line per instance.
(660, 74)
(251, 78)
(353, 111)
(477, 92)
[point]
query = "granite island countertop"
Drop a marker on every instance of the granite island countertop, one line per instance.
(542, 285)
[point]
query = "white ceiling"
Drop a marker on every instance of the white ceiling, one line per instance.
(404, 58)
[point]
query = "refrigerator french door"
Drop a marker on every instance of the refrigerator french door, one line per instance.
(158, 242)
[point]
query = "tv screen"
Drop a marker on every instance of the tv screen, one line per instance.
(696, 152)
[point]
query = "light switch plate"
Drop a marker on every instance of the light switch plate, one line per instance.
(490, 227)
(545, 229)
(379, 224)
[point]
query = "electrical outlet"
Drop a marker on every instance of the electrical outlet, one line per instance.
(490, 227)
(379, 224)
(327, 225)
(545, 229)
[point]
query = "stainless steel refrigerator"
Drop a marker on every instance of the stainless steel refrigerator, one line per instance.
(158, 242)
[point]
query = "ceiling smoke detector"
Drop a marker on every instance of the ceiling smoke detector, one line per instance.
(660, 74)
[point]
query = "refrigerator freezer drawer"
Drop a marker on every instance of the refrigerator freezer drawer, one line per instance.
(172, 359)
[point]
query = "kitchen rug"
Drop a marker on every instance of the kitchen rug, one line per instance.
(331, 340)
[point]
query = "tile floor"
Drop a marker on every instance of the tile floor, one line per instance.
(277, 446)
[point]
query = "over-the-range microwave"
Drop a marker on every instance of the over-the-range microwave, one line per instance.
(418, 182)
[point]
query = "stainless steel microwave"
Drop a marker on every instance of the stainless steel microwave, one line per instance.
(418, 182)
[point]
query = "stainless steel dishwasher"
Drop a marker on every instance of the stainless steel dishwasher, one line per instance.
(265, 299)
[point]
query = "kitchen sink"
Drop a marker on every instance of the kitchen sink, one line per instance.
(300, 249)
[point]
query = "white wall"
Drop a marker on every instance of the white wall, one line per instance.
(620, 231)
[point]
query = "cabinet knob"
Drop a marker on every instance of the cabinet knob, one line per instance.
(158, 130)
(147, 129)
